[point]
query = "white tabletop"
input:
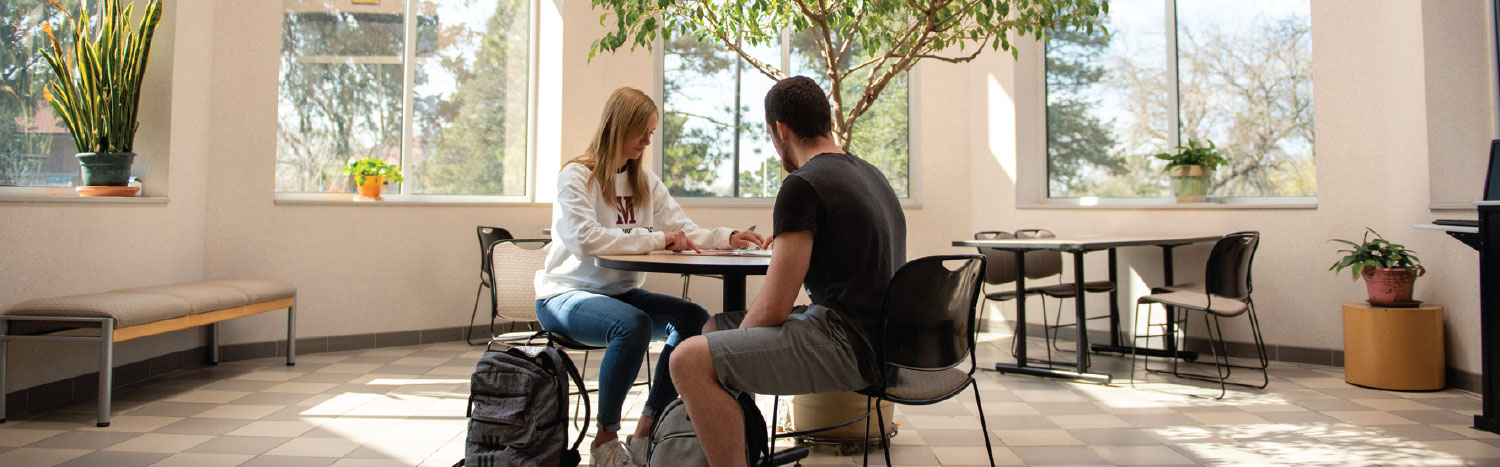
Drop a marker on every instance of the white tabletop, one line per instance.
(1087, 242)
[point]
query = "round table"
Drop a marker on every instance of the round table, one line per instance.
(732, 268)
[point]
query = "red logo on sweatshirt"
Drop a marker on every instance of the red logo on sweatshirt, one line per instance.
(626, 210)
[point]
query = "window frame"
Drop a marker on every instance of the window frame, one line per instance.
(1040, 196)
(913, 197)
(408, 74)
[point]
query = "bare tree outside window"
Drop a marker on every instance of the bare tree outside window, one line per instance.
(1244, 80)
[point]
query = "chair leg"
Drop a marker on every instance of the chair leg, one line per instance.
(1215, 349)
(291, 335)
(1260, 348)
(106, 368)
(885, 443)
(867, 430)
(686, 280)
(469, 333)
(4, 342)
(213, 343)
(1135, 340)
(984, 427)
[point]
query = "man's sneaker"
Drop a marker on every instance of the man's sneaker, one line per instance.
(610, 454)
(637, 448)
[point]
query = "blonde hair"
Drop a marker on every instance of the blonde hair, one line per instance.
(626, 115)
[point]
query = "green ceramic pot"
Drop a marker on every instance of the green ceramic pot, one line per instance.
(105, 168)
(1190, 183)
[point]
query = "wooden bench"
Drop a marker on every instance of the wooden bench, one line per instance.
(126, 314)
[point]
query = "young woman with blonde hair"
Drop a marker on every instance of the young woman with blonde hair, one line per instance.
(608, 204)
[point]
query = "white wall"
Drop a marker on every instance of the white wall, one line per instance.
(381, 268)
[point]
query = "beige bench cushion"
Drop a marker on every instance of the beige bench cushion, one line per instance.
(201, 297)
(128, 309)
(257, 289)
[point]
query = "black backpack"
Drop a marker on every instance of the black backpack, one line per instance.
(518, 409)
(674, 443)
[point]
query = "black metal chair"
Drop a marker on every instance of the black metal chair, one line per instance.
(1000, 269)
(488, 235)
(513, 265)
(1044, 264)
(1225, 292)
(927, 331)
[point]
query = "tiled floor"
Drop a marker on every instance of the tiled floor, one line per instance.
(404, 406)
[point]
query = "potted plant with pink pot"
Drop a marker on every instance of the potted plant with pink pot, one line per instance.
(1389, 269)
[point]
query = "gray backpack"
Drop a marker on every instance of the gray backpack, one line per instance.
(518, 409)
(674, 443)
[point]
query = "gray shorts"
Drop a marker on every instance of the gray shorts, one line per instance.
(807, 354)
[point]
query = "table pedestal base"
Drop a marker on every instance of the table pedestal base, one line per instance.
(1051, 373)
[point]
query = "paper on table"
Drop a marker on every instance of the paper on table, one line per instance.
(734, 252)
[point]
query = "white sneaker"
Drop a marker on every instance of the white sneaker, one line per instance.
(637, 448)
(610, 454)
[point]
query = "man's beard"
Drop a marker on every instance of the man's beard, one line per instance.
(783, 152)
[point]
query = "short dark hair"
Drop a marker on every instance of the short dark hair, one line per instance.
(799, 103)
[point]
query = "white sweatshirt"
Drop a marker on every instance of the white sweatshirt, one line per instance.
(585, 225)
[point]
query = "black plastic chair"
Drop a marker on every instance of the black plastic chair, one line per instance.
(927, 331)
(488, 235)
(1000, 269)
(1225, 292)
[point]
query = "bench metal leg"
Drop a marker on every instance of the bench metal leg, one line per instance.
(106, 368)
(213, 344)
(291, 335)
(4, 331)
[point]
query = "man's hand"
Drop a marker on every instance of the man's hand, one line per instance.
(679, 241)
(746, 238)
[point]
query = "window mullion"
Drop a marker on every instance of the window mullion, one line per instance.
(1174, 95)
(734, 176)
(408, 80)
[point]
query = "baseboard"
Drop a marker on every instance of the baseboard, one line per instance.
(86, 387)
(1277, 353)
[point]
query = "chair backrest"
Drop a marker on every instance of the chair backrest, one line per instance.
(1000, 265)
(929, 312)
(515, 263)
(1041, 263)
(488, 235)
(1228, 271)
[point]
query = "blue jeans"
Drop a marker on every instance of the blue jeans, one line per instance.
(624, 325)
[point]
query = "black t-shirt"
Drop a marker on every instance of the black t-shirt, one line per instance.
(859, 240)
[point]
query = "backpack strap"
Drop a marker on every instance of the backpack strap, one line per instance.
(757, 451)
(572, 457)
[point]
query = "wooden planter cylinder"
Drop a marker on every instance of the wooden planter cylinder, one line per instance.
(1394, 348)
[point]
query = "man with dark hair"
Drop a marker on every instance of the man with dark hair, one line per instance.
(840, 231)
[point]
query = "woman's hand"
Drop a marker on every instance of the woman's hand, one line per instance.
(679, 241)
(746, 238)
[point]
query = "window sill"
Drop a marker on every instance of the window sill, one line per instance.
(347, 199)
(1170, 204)
(4, 198)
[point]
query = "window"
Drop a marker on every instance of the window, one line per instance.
(35, 148)
(714, 141)
(438, 86)
(1236, 73)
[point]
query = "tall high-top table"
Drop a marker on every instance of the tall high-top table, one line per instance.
(732, 268)
(1078, 245)
(1485, 239)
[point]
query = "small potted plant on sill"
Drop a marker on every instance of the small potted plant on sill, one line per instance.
(96, 89)
(1190, 170)
(370, 175)
(1389, 269)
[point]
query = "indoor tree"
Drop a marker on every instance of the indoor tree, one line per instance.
(894, 34)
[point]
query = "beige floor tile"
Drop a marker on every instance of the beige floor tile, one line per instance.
(1015, 438)
(240, 412)
(1320, 383)
(1368, 417)
(278, 429)
(404, 448)
(1226, 418)
(208, 397)
(301, 388)
(356, 427)
(315, 447)
(1391, 405)
(1469, 431)
(269, 375)
(321, 358)
(1007, 409)
(160, 442)
(942, 422)
(426, 361)
(134, 423)
(17, 437)
(1076, 422)
(203, 460)
(974, 455)
(349, 368)
(39, 457)
(427, 429)
(389, 352)
(371, 463)
(1049, 396)
(1466, 448)
(1141, 455)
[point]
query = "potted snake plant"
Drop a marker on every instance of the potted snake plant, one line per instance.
(370, 175)
(1191, 169)
(96, 87)
(1389, 269)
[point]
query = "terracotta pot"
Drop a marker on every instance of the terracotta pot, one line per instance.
(371, 187)
(1391, 285)
(1189, 183)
